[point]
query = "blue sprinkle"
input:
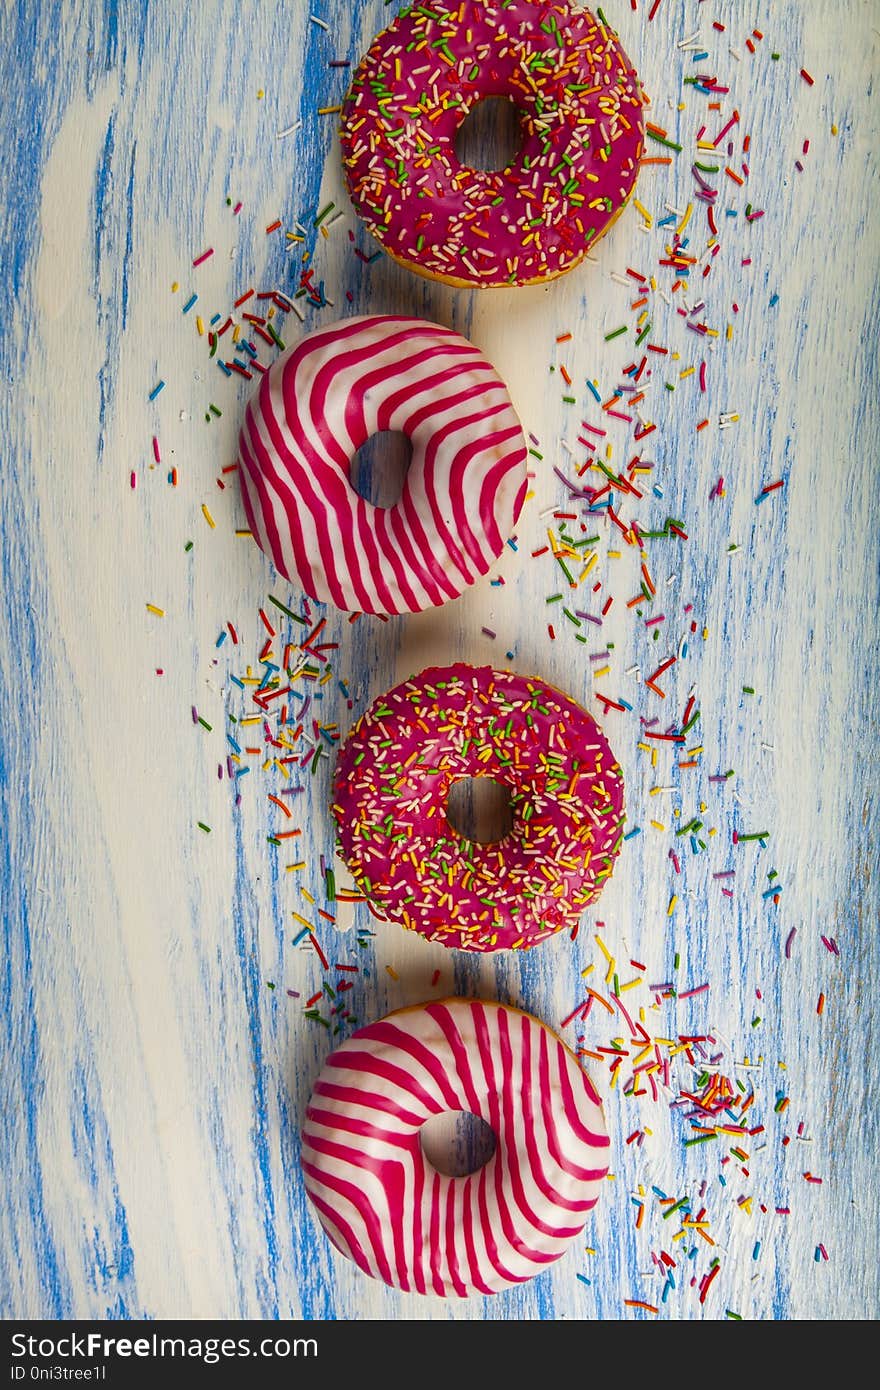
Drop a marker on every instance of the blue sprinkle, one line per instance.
(189, 303)
(512, 543)
(757, 1250)
(223, 367)
(232, 744)
(592, 389)
(215, 319)
(636, 830)
(160, 386)
(301, 935)
(221, 639)
(584, 1280)
(242, 771)
(774, 300)
(237, 682)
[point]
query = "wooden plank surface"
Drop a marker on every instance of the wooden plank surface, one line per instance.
(154, 1064)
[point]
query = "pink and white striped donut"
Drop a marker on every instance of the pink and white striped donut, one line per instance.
(387, 1208)
(464, 490)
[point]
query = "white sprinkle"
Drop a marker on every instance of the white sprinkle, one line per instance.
(315, 20)
(289, 131)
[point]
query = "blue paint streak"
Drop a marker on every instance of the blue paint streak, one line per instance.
(247, 950)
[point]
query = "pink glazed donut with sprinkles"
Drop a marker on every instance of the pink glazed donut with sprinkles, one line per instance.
(391, 788)
(464, 489)
(386, 1207)
(580, 109)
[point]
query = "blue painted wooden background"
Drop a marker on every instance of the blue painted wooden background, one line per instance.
(156, 1048)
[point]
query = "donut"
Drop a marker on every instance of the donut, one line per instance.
(387, 1208)
(392, 781)
(580, 109)
(463, 492)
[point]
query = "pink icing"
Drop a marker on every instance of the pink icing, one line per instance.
(392, 782)
(464, 489)
(383, 1204)
(580, 108)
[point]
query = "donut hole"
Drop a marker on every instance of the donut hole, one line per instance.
(479, 808)
(457, 1143)
(490, 137)
(379, 468)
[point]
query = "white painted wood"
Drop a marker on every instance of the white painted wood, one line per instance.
(153, 1084)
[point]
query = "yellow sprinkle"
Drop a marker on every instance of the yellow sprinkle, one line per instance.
(631, 984)
(328, 110)
(602, 672)
(392, 972)
(644, 211)
(684, 221)
(302, 921)
(208, 517)
(657, 825)
(174, 287)
(593, 560)
(603, 948)
(244, 532)
(306, 894)
(159, 612)
(671, 908)
(200, 326)
(688, 371)
(589, 968)
(834, 130)
(260, 94)
(289, 868)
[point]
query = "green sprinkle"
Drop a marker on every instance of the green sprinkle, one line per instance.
(661, 140)
(202, 826)
(616, 334)
(284, 609)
